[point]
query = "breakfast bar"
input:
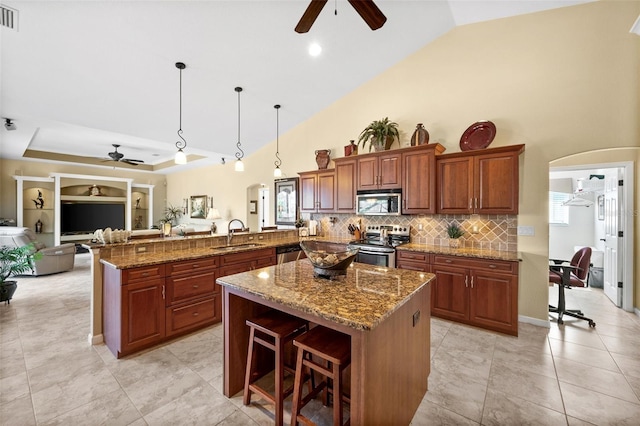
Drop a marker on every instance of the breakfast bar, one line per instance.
(385, 311)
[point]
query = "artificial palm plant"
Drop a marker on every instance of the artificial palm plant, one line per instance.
(14, 261)
(380, 134)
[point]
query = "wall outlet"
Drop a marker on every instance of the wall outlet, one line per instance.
(416, 318)
(261, 237)
(141, 249)
(250, 238)
(528, 231)
(419, 227)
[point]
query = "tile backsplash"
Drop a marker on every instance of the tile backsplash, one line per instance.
(493, 232)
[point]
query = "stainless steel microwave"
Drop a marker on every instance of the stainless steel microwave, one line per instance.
(377, 203)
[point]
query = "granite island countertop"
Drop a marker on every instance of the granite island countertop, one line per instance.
(463, 252)
(361, 299)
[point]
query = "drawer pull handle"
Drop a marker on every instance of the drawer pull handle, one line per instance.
(448, 261)
(196, 286)
(197, 265)
(145, 274)
(195, 314)
(492, 266)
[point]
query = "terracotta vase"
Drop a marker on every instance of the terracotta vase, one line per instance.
(420, 136)
(322, 158)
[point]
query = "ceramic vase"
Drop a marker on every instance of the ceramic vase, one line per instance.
(454, 242)
(322, 158)
(351, 149)
(420, 136)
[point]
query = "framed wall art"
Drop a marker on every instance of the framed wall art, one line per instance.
(198, 206)
(600, 207)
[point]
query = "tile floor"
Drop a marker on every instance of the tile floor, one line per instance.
(568, 375)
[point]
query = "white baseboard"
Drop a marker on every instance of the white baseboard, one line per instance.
(94, 340)
(534, 321)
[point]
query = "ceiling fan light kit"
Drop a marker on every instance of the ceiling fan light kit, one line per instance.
(181, 157)
(119, 157)
(367, 10)
(239, 166)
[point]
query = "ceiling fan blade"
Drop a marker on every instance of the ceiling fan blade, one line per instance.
(368, 10)
(131, 161)
(310, 15)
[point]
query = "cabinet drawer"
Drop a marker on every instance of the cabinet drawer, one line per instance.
(191, 265)
(414, 256)
(246, 256)
(266, 261)
(412, 265)
(191, 316)
(485, 264)
(143, 273)
(190, 286)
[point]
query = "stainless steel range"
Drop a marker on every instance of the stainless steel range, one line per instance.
(378, 246)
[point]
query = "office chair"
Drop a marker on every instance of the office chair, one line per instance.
(570, 274)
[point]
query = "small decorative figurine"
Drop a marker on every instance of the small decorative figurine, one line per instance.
(39, 201)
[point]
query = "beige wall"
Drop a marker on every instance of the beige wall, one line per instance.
(562, 82)
(9, 168)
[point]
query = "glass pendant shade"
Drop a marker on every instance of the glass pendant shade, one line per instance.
(180, 157)
(277, 172)
(239, 167)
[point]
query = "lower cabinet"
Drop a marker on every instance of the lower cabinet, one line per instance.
(142, 314)
(479, 292)
(246, 261)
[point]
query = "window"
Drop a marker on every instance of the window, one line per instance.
(558, 213)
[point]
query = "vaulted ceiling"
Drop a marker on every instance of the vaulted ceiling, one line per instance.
(77, 76)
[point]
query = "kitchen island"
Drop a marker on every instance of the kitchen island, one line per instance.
(386, 312)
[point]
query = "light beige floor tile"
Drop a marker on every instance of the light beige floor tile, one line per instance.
(11, 358)
(519, 382)
(197, 406)
(505, 409)
(598, 408)
(583, 354)
(471, 364)
(581, 336)
(430, 414)
(537, 361)
(113, 409)
(596, 379)
(462, 395)
(139, 422)
(625, 345)
(237, 418)
(14, 387)
(572, 421)
(18, 412)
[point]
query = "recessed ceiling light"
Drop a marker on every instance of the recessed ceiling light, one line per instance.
(315, 49)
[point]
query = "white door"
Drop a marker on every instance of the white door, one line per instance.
(612, 264)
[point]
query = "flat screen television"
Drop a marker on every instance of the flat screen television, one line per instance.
(85, 218)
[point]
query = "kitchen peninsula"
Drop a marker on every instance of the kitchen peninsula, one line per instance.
(386, 312)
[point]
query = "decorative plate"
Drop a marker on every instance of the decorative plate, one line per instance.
(478, 136)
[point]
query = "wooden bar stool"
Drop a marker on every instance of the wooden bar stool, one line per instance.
(273, 330)
(329, 346)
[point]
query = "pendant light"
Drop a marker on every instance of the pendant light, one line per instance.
(180, 157)
(239, 167)
(277, 172)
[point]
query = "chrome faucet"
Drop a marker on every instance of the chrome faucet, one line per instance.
(231, 231)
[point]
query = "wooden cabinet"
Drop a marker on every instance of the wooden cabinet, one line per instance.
(419, 179)
(479, 292)
(485, 182)
(236, 263)
(380, 171)
(317, 191)
(345, 184)
(193, 298)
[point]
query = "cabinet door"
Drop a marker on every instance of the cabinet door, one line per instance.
(390, 171)
(418, 184)
(308, 184)
(496, 183)
(449, 293)
(142, 314)
(368, 173)
(494, 301)
(455, 185)
(326, 192)
(346, 186)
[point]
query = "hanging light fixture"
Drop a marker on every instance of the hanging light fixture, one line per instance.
(277, 172)
(239, 164)
(180, 157)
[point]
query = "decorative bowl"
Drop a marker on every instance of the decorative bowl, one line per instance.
(328, 259)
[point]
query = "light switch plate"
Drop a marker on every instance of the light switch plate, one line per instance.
(528, 231)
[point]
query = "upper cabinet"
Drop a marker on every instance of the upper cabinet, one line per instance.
(380, 171)
(346, 172)
(483, 182)
(317, 191)
(419, 179)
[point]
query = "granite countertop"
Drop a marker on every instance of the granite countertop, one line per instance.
(361, 299)
(463, 252)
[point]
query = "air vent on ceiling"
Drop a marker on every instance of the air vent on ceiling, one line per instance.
(8, 17)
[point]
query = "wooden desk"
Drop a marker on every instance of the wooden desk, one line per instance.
(386, 312)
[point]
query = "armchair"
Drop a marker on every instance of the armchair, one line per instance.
(567, 275)
(54, 259)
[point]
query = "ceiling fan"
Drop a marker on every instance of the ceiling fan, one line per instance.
(119, 157)
(365, 8)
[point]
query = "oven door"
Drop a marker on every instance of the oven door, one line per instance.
(387, 259)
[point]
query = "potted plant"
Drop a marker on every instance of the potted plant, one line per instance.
(454, 232)
(14, 261)
(380, 134)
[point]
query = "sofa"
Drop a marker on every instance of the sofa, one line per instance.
(53, 260)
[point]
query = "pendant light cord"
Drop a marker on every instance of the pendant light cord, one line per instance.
(278, 162)
(182, 143)
(240, 152)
